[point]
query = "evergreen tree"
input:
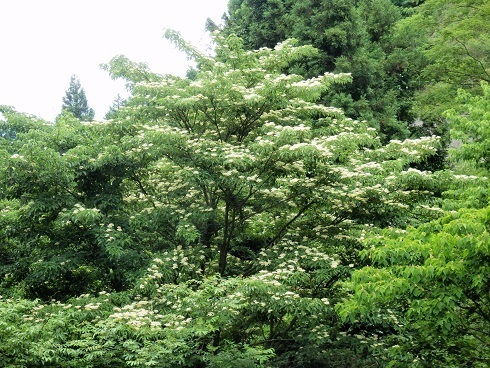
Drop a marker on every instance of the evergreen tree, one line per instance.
(114, 108)
(75, 101)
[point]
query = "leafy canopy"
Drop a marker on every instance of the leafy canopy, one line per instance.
(212, 218)
(434, 280)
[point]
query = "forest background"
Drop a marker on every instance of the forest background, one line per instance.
(313, 194)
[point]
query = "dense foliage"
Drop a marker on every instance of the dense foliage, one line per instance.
(433, 284)
(238, 217)
(433, 280)
(407, 58)
(351, 36)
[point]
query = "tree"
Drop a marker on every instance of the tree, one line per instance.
(432, 285)
(260, 23)
(448, 45)
(428, 287)
(13, 122)
(240, 161)
(470, 122)
(75, 101)
(51, 173)
(459, 47)
(114, 108)
(220, 212)
(352, 36)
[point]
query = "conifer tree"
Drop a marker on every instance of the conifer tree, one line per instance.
(75, 101)
(114, 108)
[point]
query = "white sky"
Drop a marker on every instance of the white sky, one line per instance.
(44, 42)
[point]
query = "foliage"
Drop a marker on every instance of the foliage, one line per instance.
(435, 280)
(12, 123)
(120, 66)
(234, 218)
(430, 284)
(208, 223)
(352, 36)
(471, 126)
(460, 47)
(75, 101)
(61, 197)
(449, 46)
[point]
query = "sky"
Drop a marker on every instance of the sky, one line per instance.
(43, 43)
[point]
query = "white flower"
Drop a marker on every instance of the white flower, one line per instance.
(155, 324)
(325, 301)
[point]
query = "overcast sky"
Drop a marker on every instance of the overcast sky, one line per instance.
(44, 42)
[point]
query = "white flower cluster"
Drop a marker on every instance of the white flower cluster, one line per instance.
(16, 156)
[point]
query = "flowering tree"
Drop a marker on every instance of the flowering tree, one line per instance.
(230, 204)
(241, 154)
(247, 177)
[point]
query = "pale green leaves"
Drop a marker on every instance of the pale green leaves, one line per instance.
(435, 277)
